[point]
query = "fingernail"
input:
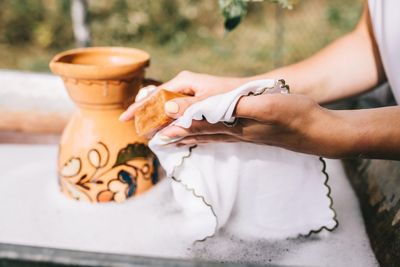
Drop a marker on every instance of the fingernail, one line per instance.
(123, 116)
(144, 92)
(166, 138)
(171, 107)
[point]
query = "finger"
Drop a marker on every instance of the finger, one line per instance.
(182, 83)
(197, 128)
(204, 139)
(176, 107)
(178, 86)
(129, 113)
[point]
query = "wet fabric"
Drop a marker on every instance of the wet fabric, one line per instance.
(254, 190)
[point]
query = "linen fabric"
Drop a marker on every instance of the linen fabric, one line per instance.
(253, 190)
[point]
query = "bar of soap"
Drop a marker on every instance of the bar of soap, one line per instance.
(150, 116)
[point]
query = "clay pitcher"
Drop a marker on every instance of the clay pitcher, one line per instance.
(100, 158)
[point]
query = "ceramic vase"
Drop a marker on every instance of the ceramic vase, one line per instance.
(100, 158)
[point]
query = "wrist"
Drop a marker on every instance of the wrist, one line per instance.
(332, 135)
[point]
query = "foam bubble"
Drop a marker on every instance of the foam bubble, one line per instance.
(34, 212)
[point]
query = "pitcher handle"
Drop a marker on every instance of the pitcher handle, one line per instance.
(148, 81)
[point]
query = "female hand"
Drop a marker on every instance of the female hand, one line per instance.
(197, 86)
(295, 122)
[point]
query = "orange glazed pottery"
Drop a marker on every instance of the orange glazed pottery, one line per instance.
(100, 158)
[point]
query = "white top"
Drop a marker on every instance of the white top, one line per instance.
(386, 23)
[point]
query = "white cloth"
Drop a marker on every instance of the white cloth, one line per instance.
(386, 20)
(256, 190)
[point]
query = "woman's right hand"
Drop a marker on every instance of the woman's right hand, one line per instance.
(196, 85)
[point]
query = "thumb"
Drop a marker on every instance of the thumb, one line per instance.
(176, 107)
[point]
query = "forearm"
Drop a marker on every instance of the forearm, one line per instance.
(347, 67)
(369, 133)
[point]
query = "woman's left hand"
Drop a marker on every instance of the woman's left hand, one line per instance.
(295, 122)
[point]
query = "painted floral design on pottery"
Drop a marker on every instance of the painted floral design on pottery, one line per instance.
(119, 189)
(131, 165)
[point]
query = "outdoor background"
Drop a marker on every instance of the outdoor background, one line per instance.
(179, 34)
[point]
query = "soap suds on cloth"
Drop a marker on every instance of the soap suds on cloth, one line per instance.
(268, 192)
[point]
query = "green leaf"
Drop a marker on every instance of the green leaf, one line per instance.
(234, 10)
(231, 23)
(132, 151)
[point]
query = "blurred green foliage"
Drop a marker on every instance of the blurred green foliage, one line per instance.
(34, 22)
(235, 10)
(179, 34)
(338, 16)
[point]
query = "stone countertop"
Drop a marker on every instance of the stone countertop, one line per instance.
(33, 102)
(377, 184)
(29, 256)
